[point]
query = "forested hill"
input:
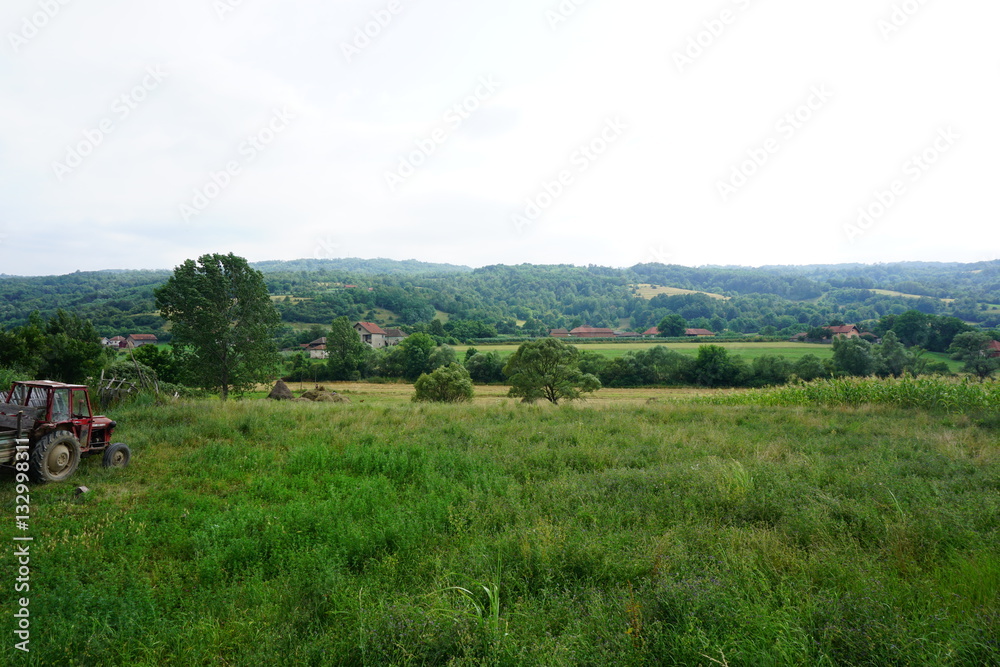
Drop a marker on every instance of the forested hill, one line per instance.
(530, 299)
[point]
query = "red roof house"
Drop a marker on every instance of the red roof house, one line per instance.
(698, 332)
(371, 333)
(847, 331)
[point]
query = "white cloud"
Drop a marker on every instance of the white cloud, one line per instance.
(321, 184)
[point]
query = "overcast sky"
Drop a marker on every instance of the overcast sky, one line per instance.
(139, 134)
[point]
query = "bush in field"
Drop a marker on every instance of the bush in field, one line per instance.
(853, 356)
(447, 384)
(165, 362)
(442, 356)
(809, 367)
(768, 370)
(485, 367)
(715, 367)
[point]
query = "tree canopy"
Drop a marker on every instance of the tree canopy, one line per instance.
(973, 348)
(346, 351)
(219, 307)
(548, 368)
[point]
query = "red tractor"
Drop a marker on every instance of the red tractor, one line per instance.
(54, 424)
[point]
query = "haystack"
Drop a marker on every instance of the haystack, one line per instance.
(281, 392)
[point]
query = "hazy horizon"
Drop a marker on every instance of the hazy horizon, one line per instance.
(479, 266)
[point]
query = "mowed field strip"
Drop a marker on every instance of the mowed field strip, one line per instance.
(394, 393)
(748, 351)
(647, 291)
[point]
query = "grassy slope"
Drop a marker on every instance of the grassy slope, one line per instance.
(253, 533)
(647, 291)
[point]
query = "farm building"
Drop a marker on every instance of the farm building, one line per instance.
(698, 333)
(994, 348)
(317, 348)
(394, 337)
(559, 333)
(591, 332)
(138, 340)
(847, 331)
(651, 331)
(371, 334)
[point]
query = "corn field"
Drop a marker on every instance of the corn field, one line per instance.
(928, 393)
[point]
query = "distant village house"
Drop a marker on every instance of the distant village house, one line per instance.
(317, 348)
(371, 334)
(394, 337)
(129, 342)
(845, 331)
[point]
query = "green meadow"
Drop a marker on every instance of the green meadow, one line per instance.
(670, 531)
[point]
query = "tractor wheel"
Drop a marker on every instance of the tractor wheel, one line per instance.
(54, 458)
(116, 456)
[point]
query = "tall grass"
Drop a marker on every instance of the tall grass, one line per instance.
(925, 393)
(256, 533)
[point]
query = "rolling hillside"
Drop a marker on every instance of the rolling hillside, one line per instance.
(529, 299)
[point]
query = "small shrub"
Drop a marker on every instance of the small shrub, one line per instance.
(447, 384)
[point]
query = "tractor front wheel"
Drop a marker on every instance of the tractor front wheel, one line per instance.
(116, 456)
(54, 458)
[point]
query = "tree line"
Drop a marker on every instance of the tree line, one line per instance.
(526, 300)
(225, 329)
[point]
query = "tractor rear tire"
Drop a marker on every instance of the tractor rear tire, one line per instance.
(116, 456)
(54, 458)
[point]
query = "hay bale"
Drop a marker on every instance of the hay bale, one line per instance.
(332, 397)
(281, 392)
(311, 395)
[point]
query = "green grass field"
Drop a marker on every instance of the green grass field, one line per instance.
(642, 532)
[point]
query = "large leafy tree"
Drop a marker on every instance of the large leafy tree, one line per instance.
(672, 326)
(485, 367)
(347, 352)
(64, 348)
(973, 347)
(548, 368)
(220, 309)
(853, 356)
(890, 357)
(715, 367)
(416, 351)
